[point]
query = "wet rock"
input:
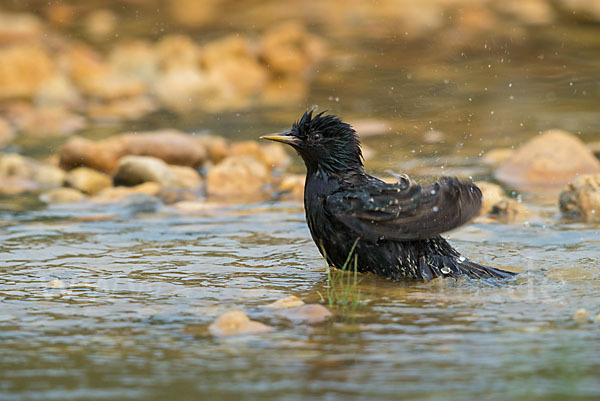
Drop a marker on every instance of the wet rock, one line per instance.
(581, 199)
(171, 146)
(237, 176)
(114, 194)
(183, 89)
(19, 27)
(311, 313)
(185, 177)
(495, 157)
(288, 48)
(101, 156)
(492, 194)
(291, 301)
(7, 133)
(135, 58)
(24, 68)
(548, 161)
(62, 195)
(172, 195)
(49, 176)
(581, 315)
(509, 211)
(236, 322)
(291, 186)
(13, 165)
(56, 283)
(88, 181)
(135, 170)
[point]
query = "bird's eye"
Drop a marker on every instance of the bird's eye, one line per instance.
(316, 137)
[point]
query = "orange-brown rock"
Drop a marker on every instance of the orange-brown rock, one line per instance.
(548, 161)
(171, 146)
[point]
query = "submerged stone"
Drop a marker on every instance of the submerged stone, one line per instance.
(509, 211)
(310, 313)
(291, 301)
(236, 322)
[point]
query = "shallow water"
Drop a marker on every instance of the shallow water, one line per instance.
(143, 281)
(141, 290)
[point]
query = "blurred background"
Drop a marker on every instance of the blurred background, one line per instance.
(477, 73)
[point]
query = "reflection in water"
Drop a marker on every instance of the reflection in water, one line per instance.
(140, 292)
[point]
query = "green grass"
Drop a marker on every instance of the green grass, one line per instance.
(342, 285)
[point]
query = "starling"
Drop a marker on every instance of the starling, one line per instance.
(393, 230)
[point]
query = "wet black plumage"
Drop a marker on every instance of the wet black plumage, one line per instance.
(398, 225)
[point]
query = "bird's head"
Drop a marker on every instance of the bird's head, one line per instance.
(323, 141)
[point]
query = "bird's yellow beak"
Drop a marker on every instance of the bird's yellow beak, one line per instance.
(283, 138)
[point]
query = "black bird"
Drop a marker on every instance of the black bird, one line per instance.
(395, 228)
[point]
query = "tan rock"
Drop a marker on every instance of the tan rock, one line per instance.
(548, 161)
(509, 211)
(87, 180)
(135, 170)
(237, 176)
(56, 283)
(135, 58)
(49, 176)
(113, 194)
(16, 186)
(62, 195)
(581, 315)
(495, 157)
(310, 313)
(7, 133)
(13, 165)
(291, 301)
(185, 177)
(24, 68)
(58, 91)
(581, 198)
(288, 48)
(492, 194)
(236, 322)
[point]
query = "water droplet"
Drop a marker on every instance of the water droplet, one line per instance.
(433, 192)
(436, 209)
(462, 259)
(445, 270)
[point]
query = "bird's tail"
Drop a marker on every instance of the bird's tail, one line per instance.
(450, 266)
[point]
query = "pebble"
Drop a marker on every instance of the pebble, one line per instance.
(135, 170)
(56, 283)
(62, 195)
(581, 315)
(236, 322)
(237, 176)
(87, 180)
(581, 199)
(291, 301)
